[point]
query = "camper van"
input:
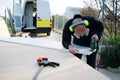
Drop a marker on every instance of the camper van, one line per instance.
(33, 16)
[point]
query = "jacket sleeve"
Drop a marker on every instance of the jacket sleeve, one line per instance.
(66, 36)
(98, 28)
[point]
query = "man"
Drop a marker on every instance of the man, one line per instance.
(80, 30)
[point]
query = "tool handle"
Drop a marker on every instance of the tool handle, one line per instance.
(37, 73)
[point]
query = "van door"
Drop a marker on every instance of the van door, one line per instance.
(29, 14)
(17, 15)
(43, 14)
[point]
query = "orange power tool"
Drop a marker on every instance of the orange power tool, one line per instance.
(42, 62)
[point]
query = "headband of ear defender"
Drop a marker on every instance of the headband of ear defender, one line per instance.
(78, 21)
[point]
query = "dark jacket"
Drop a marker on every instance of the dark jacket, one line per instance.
(95, 27)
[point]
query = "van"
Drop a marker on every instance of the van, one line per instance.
(35, 16)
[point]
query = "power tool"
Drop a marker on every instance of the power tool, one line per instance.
(93, 44)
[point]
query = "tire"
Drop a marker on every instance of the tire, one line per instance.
(48, 33)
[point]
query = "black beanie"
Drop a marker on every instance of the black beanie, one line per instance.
(77, 16)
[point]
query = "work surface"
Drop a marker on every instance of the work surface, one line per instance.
(18, 62)
(45, 44)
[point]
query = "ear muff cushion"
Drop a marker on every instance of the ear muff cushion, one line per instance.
(71, 28)
(86, 22)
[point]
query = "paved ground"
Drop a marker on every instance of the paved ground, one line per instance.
(53, 37)
(111, 75)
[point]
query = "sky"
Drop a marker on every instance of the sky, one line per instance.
(3, 5)
(59, 6)
(56, 6)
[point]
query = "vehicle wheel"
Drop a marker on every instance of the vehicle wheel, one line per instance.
(33, 34)
(48, 33)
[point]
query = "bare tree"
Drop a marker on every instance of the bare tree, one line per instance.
(93, 3)
(89, 11)
(114, 12)
(111, 15)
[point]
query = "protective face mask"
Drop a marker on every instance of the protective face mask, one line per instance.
(76, 35)
(86, 32)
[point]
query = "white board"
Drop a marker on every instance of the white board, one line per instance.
(4, 33)
(18, 62)
(83, 50)
(45, 43)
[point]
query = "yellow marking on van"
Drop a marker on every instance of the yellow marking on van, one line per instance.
(43, 23)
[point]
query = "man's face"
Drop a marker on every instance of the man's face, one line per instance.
(79, 30)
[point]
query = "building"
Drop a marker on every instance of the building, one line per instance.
(70, 11)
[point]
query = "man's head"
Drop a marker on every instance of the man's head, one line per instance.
(78, 27)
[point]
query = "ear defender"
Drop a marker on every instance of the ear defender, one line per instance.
(71, 29)
(86, 23)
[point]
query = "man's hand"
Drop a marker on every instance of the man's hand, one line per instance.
(95, 36)
(72, 49)
(93, 43)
